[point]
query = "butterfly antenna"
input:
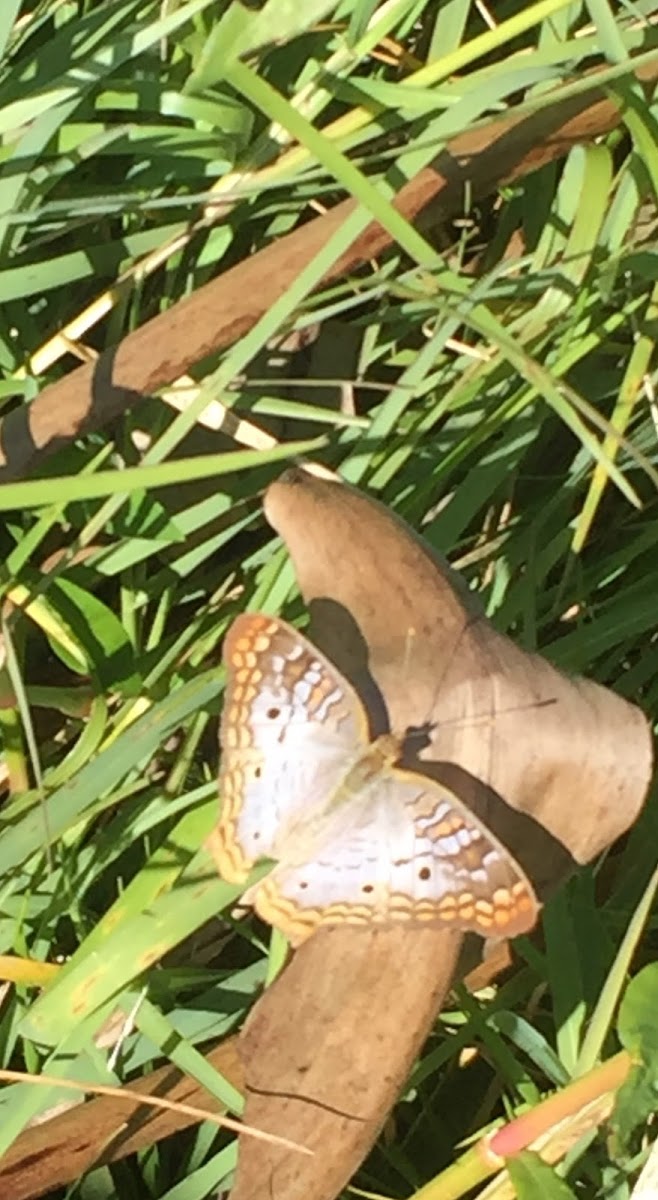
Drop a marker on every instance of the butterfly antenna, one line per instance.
(408, 644)
(488, 718)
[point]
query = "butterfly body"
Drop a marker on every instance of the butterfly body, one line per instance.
(355, 838)
(371, 764)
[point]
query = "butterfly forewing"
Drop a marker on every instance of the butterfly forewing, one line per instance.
(290, 729)
(412, 853)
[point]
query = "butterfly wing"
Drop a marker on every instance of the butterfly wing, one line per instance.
(413, 854)
(291, 727)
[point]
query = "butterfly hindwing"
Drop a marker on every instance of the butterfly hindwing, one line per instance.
(411, 853)
(472, 879)
(290, 725)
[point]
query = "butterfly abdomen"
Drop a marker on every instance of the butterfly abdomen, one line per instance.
(365, 770)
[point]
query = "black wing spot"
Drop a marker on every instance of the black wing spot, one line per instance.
(424, 873)
(273, 713)
(303, 885)
(258, 771)
(367, 888)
